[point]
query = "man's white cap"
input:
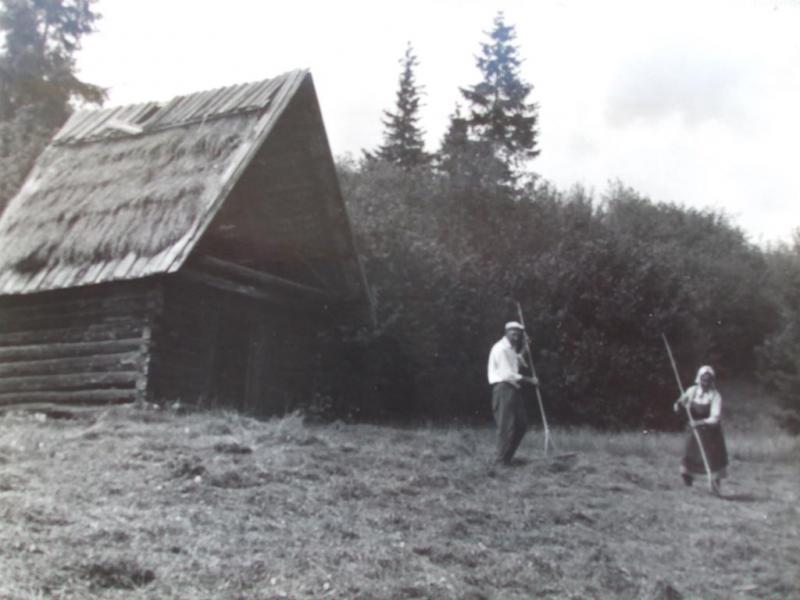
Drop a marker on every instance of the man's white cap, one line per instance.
(514, 325)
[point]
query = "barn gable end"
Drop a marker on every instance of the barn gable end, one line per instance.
(285, 217)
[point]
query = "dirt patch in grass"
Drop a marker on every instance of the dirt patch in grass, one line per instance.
(232, 448)
(121, 574)
(151, 504)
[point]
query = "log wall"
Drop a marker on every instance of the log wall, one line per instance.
(81, 346)
(163, 339)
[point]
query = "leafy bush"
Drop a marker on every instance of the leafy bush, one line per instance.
(779, 356)
(599, 283)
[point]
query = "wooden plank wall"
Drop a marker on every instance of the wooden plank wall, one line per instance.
(217, 348)
(184, 345)
(290, 344)
(82, 346)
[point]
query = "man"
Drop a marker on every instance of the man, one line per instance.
(505, 362)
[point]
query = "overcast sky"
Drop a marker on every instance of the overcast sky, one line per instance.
(692, 102)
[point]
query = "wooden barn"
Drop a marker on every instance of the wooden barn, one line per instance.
(192, 250)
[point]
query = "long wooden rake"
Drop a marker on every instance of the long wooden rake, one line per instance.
(711, 485)
(547, 440)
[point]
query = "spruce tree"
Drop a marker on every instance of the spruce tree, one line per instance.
(37, 78)
(473, 168)
(454, 143)
(499, 111)
(402, 137)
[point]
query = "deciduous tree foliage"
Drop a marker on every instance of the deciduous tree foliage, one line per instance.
(779, 357)
(37, 78)
(22, 138)
(449, 252)
(474, 169)
(599, 280)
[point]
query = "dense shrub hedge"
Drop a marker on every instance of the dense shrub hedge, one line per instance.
(599, 280)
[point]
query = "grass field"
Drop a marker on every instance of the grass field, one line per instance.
(133, 503)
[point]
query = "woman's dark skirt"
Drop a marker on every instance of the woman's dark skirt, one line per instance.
(714, 446)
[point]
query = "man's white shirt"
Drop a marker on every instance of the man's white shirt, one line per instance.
(504, 363)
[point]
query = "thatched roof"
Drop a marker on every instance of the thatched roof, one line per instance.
(125, 193)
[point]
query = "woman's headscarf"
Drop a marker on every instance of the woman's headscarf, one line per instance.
(702, 371)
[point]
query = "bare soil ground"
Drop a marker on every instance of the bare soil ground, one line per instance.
(132, 503)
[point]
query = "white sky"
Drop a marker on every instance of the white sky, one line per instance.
(693, 102)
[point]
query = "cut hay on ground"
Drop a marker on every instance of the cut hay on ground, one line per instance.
(147, 504)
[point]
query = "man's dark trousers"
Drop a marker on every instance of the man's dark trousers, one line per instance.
(509, 414)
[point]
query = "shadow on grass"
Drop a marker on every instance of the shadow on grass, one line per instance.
(747, 498)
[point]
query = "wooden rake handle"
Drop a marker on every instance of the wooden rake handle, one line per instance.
(533, 372)
(689, 415)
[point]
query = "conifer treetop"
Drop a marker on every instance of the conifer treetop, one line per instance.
(403, 142)
(499, 110)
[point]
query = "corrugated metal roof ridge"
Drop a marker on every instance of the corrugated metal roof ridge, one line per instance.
(205, 107)
(164, 110)
(233, 101)
(88, 124)
(126, 114)
(216, 102)
(213, 104)
(75, 120)
(86, 127)
(263, 94)
(193, 105)
(251, 99)
(135, 112)
(289, 84)
(222, 98)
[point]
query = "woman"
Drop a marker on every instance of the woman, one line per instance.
(705, 406)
